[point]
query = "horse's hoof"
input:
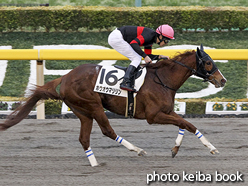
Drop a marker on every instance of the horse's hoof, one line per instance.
(173, 153)
(214, 152)
(142, 153)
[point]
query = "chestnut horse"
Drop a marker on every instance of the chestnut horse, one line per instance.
(154, 101)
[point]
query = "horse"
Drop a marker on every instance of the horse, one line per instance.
(154, 100)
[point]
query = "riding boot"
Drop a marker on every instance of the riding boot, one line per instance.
(128, 79)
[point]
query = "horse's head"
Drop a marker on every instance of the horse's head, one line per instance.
(207, 69)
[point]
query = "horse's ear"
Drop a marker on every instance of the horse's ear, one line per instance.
(202, 47)
(199, 53)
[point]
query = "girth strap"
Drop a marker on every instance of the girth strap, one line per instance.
(130, 105)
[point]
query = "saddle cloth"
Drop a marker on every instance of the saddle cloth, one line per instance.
(110, 77)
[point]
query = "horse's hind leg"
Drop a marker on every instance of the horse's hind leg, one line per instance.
(107, 130)
(130, 146)
(84, 137)
(178, 142)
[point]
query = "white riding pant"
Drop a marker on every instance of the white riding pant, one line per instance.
(117, 42)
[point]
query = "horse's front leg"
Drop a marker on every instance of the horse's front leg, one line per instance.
(173, 118)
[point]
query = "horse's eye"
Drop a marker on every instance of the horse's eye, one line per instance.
(208, 63)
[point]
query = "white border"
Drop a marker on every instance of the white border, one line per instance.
(209, 108)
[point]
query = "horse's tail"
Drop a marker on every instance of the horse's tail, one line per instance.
(47, 91)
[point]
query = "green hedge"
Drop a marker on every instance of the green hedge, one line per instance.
(53, 107)
(73, 18)
(195, 107)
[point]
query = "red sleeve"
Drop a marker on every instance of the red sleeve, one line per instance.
(139, 40)
(148, 50)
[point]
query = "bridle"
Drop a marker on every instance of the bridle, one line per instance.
(200, 71)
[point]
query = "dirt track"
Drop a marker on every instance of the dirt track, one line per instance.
(47, 152)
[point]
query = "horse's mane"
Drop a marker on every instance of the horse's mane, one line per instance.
(178, 57)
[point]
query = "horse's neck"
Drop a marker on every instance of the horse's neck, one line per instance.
(174, 75)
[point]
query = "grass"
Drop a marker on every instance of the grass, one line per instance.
(130, 3)
(17, 73)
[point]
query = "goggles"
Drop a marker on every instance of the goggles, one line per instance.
(165, 39)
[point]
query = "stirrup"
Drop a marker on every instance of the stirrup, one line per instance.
(128, 88)
(126, 85)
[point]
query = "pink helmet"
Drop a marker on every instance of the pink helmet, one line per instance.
(166, 31)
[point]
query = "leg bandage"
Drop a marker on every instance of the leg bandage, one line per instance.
(124, 142)
(89, 153)
(204, 140)
(130, 146)
(198, 134)
(180, 137)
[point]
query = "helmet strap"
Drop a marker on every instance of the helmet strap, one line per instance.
(160, 40)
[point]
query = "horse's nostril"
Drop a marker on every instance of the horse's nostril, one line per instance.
(223, 81)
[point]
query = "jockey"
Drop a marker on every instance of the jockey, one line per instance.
(127, 41)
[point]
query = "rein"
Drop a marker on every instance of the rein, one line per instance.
(194, 71)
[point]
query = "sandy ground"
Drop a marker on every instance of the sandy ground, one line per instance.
(47, 152)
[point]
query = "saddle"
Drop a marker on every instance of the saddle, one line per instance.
(108, 82)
